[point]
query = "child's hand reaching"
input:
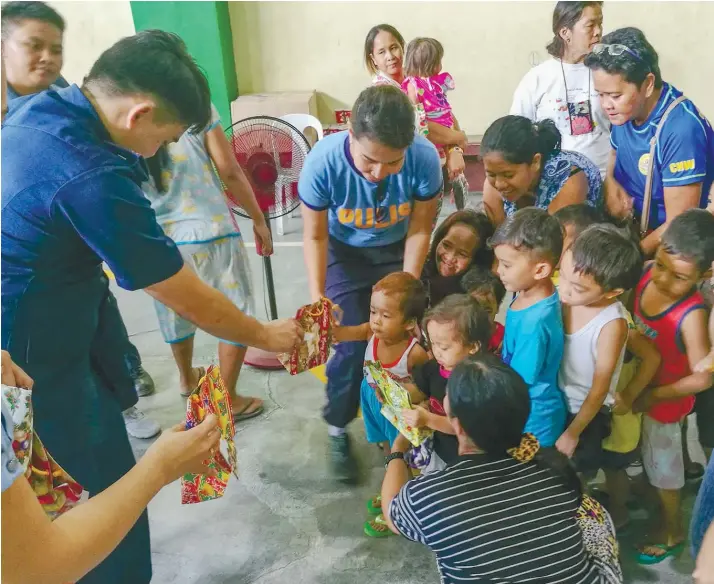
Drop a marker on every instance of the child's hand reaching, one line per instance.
(706, 365)
(567, 443)
(621, 405)
(416, 418)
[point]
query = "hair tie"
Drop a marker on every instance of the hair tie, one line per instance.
(526, 450)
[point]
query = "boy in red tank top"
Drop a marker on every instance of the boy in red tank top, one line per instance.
(670, 311)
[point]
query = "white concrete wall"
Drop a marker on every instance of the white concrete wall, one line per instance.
(287, 46)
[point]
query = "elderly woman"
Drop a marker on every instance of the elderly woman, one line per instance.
(503, 511)
(561, 89)
(659, 180)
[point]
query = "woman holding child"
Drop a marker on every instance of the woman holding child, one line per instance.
(504, 509)
(368, 201)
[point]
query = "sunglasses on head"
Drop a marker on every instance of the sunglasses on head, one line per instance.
(615, 50)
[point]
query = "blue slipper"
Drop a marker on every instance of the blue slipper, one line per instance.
(669, 551)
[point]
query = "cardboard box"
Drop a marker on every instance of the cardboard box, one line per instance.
(274, 104)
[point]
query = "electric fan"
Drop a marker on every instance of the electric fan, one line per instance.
(271, 153)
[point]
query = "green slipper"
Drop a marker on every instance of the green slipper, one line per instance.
(669, 551)
(377, 527)
(374, 505)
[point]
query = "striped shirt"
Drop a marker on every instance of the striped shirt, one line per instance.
(496, 520)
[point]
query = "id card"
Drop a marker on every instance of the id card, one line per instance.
(581, 121)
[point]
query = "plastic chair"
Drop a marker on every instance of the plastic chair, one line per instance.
(301, 122)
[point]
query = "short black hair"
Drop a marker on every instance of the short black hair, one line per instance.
(480, 279)
(156, 63)
(411, 292)
(609, 255)
(517, 139)
(634, 69)
(581, 216)
(467, 316)
(423, 57)
(691, 235)
(13, 13)
(476, 220)
(369, 43)
(565, 14)
(534, 230)
(384, 114)
(490, 400)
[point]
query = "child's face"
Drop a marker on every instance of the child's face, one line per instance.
(385, 316)
(455, 252)
(447, 346)
(577, 289)
(518, 269)
(487, 300)
(673, 275)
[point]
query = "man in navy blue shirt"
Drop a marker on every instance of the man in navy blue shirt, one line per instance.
(32, 35)
(71, 199)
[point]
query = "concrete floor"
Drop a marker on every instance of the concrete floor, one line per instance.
(284, 520)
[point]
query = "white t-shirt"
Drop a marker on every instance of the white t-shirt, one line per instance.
(541, 95)
(577, 368)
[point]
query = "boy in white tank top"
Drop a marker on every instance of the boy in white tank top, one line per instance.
(601, 264)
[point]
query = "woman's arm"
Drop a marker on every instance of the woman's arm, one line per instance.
(34, 549)
(677, 200)
(493, 204)
(315, 236)
(574, 192)
(417, 242)
(239, 189)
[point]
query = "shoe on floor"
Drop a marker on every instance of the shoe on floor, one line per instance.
(138, 425)
(143, 384)
(342, 462)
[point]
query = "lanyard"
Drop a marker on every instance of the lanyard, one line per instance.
(587, 115)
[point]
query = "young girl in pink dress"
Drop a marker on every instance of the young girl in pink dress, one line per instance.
(426, 84)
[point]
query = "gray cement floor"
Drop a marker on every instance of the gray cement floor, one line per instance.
(284, 520)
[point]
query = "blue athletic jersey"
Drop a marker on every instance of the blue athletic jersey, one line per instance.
(684, 153)
(331, 182)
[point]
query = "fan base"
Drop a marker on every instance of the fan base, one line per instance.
(262, 359)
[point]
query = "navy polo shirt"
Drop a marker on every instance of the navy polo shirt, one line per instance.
(71, 199)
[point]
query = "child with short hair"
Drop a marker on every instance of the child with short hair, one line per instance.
(426, 85)
(487, 289)
(457, 327)
(597, 268)
(460, 242)
(396, 307)
(528, 245)
(670, 310)
(574, 219)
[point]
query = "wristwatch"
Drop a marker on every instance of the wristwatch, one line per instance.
(393, 456)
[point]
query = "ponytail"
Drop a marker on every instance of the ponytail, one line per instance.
(518, 140)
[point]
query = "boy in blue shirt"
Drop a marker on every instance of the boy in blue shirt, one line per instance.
(528, 246)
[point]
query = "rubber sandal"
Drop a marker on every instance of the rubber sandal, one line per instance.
(377, 527)
(669, 551)
(201, 373)
(374, 505)
(242, 415)
(694, 473)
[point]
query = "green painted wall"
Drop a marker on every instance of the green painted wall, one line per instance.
(205, 27)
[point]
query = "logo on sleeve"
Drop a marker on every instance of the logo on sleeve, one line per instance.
(682, 166)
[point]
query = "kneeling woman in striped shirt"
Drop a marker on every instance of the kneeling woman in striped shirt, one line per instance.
(504, 511)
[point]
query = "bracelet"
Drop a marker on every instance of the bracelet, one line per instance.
(393, 456)
(458, 149)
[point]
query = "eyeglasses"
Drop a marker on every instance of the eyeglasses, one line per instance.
(615, 50)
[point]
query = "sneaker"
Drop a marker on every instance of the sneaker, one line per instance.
(342, 462)
(138, 425)
(143, 383)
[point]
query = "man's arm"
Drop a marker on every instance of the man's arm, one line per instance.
(315, 237)
(212, 312)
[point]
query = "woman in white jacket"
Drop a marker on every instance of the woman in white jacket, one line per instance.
(561, 88)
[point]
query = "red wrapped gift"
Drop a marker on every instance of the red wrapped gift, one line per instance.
(342, 116)
(317, 320)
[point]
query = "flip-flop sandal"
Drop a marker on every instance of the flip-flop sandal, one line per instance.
(201, 373)
(669, 551)
(374, 505)
(694, 473)
(245, 415)
(377, 527)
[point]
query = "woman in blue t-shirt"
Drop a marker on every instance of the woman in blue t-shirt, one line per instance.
(525, 167)
(627, 78)
(369, 199)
